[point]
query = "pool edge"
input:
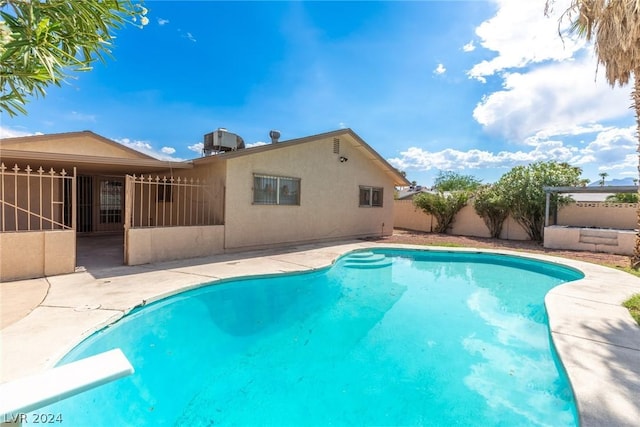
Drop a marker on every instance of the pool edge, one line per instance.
(596, 340)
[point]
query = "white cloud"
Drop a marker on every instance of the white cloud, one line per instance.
(626, 167)
(148, 149)
(141, 146)
(521, 34)
(567, 130)
(440, 69)
(168, 150)
(162, 21)
(6, 132)
(197, 147)
(553, 99)
(416, 158)
(610, 149)
(469, 47)
(256, 144)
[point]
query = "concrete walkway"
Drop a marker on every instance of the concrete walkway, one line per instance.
(597, 340)
(18, 299)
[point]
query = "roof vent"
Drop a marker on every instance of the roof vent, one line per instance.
(274, 135)
(221, 141)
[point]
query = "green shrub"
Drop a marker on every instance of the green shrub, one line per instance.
(443, 206)
(492, 207)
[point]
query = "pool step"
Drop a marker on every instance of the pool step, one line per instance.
(366, 260)
(364, 254)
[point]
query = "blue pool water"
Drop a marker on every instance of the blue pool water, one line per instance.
(390, 337)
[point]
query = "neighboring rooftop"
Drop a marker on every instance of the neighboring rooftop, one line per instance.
(592, 193)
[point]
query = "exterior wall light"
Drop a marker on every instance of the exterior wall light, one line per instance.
(343, 159)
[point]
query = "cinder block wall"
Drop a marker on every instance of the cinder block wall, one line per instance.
(599, 214)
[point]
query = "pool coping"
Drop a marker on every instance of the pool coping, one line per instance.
(595, 337)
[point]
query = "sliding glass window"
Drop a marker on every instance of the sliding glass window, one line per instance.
(276, 190)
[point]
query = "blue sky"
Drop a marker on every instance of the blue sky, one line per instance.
(476, 87)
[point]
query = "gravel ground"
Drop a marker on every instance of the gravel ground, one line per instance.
(434, 239)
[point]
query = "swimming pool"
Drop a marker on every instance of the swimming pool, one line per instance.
(382, 337)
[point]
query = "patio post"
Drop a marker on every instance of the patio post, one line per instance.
(546, 209)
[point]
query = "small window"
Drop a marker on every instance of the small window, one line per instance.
(276, 190)
(370, 196)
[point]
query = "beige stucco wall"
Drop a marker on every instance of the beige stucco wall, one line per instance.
(590, 239)
(25, 255)
(467, 222)
(213, 172)
(598, 214)
(511, 230)
(146, 245)
(585, 214)
(212, 169)
(197, 197)
(73, 143)
(408, 217)
(329, 196)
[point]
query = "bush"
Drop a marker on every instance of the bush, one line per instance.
(522, 189)
(443, 206)
(492, 207)
(623, 198)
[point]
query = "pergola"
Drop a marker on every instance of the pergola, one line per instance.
(593, 190)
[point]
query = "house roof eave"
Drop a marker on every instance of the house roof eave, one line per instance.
(62, 135)
(598, 189)
(104, 164)
(355, 140)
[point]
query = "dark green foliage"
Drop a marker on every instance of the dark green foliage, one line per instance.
(522, 189)
(492, 207)
(453, 181)
(44, 42)
(623, 198)
(443, 206)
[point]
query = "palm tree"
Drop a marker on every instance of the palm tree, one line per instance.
(603, 175)
(614, 28)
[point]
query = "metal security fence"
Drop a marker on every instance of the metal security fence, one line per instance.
(36, 200)
(154, 201)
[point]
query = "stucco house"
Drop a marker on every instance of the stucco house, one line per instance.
(54, 187)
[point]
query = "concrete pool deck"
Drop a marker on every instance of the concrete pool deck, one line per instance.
(596, 338)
